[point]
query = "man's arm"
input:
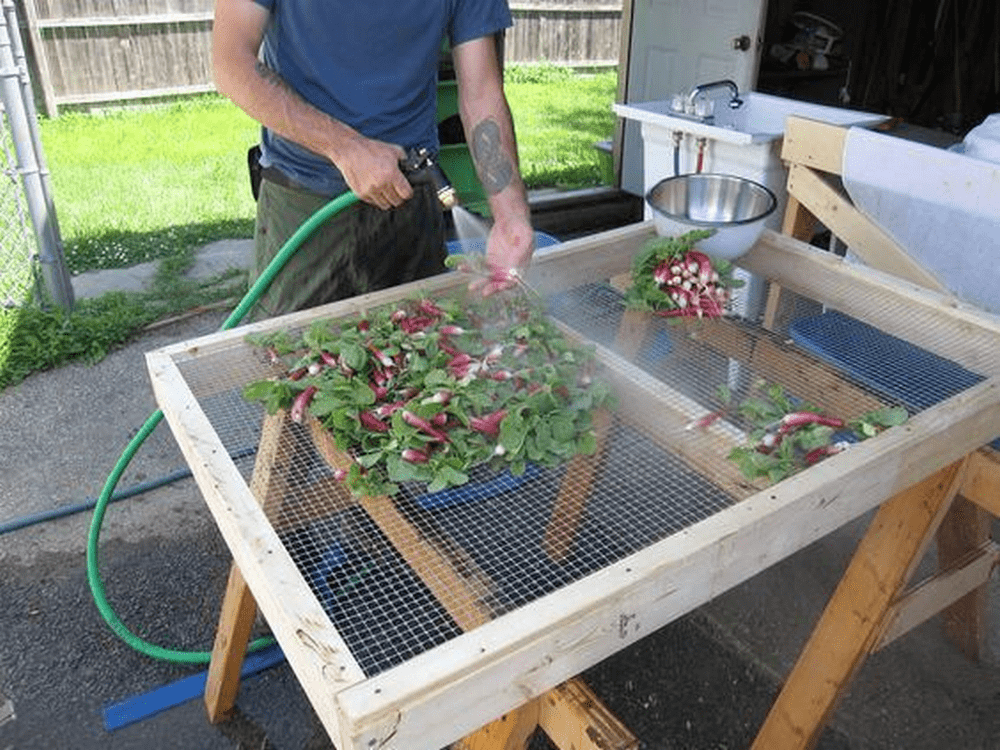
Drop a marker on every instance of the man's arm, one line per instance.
(489, 130)
(370, 167)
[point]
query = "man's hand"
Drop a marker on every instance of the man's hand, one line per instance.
(371, 169)
(508, 253)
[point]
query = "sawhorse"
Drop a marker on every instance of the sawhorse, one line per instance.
(571, 715)
(872, 604)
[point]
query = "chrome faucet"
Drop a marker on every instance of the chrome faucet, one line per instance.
(734, 102)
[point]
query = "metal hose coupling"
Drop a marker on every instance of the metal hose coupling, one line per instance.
(419, 167)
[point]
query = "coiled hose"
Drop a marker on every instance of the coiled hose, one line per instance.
(308, 227)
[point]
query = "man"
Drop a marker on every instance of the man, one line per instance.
(342, 90)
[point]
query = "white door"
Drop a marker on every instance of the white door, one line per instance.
(677, 44)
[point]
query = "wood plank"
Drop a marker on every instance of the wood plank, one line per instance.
(612, 8)
(814, 144)
(779, 307)
(41, 59)
(867, 241)
(152, 19)
(512, 731)
(664, 415)
(632, 331)
(448, 586)
(622, 93)
(931, 596)
(780, 362)
(130, 94)
(964, 529)
(928, 319)
(574, 491)
(231, 637)
(850, 624)
(574, 718)
(798, 221)
(274, 459)
(982, 482)
(321, 660)
(268, 485)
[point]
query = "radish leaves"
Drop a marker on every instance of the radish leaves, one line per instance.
(423, 391)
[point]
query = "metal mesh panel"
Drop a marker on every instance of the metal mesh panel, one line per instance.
(400, 575)
(17, 242)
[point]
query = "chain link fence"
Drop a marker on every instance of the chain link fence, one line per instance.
(30, 246)
(18, 256)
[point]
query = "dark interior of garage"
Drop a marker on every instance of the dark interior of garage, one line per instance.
(931, 64)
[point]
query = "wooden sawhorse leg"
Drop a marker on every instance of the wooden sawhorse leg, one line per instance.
(274, 458)
(231, 637)
(570, 714)
(859, 611)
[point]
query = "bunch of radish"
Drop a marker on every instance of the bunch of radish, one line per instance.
(786, 435)
(425, 390)
(673, 279)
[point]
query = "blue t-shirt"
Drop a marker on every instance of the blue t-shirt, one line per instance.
(371, 65)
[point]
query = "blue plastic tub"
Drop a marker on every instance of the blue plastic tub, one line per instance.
(478, 245)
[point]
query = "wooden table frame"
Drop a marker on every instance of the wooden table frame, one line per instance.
(503, 664)
(872, 604)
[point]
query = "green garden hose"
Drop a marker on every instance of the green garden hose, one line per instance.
(93, 574)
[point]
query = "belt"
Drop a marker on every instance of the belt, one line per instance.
(272, 174)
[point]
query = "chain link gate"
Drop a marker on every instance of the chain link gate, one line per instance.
(31, 246)
(17, 242)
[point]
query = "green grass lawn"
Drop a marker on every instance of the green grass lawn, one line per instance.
(139, 184)
(156, 183)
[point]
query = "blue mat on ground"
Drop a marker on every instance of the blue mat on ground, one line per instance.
(144, 705)
(914, 377)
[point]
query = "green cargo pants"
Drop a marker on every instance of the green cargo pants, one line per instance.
(361, 249)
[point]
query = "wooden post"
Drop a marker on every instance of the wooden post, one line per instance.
(231, 637)
(238, 606)
(852, 623)
(41, 58)
(512, 731)
(572, 716)
(965, 528)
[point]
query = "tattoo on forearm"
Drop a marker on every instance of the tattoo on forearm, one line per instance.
(493, 166)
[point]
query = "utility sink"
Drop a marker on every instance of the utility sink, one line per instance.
(761, 117)
(742, 142)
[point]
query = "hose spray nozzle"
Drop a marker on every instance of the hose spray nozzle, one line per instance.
(419, 167)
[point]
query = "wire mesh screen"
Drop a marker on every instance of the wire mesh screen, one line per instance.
(697, 402)
(17, 242)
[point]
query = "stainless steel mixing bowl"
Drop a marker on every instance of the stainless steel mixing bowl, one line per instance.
(734, 206)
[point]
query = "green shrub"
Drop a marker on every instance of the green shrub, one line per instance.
(540, 72)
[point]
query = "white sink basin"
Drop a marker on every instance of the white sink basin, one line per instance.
(743, 142)
(761, 117)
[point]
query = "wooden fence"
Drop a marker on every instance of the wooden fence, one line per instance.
(89, 52)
